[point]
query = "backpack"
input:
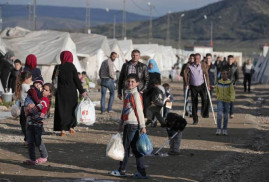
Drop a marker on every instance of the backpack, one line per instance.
(158, 97)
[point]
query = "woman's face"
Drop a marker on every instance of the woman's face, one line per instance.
(150, 66)
(28, 80)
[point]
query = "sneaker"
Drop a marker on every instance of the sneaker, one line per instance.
(29, 162)
(41, 160)
(224, 132)
(232, 116)
(154, 124)
(111, 111)
(218, 132)
(118, 173)
(173, 153)
(138, 175)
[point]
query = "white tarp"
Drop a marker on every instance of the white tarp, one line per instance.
(114, 46)
(2, 47)
(261, 74)
(126, 47)
(46, 46)
(92, 49)
(14, 32)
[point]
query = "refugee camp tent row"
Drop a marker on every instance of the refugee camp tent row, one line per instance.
(115, 47)
(46, 46)
(92, 50)
(261, 74)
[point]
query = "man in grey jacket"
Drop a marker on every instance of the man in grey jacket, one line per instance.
(107, 75)
(134, 67)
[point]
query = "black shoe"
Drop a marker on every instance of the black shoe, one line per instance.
(206, 116)
(148, 122)
(154, 124)
(186, 113)
(195, 122)
(190, 115)
(163, 125)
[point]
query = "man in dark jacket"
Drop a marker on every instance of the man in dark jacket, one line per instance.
(220, 63)
(6, 67)
(194, 79)
(188, 110)
(134, 67)
(233, 75)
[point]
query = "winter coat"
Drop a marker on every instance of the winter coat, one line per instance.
(212, 74)
(5, 72)
(142, 72)
(225, 91)
(233, 73)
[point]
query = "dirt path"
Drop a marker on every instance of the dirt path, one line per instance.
(240, 156)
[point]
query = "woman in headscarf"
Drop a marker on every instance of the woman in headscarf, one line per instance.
(154, 73)
(66, 95)
(30, 65)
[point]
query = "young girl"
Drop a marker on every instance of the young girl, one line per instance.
(22, 86)
(35, 125)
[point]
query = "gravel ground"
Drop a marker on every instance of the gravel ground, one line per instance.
(240, 156)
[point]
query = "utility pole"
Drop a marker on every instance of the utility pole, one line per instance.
(124, 21)
(87, 19)
(34, 17)
(114, 26)
(29, 16)
(1, 20)
(211, 34)
(168, 29)
(179, 30)
(150, 22)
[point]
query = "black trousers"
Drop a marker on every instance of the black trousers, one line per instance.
(201, 90)
(247, 78)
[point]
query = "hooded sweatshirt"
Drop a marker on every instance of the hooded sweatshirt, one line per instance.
(225, 91)
(132, 112)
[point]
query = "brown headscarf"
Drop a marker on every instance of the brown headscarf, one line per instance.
(31, 61)
(66, 57)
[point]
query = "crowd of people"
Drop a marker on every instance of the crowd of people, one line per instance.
(146, 99)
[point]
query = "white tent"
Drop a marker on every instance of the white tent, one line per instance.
(92, 50)
(114, 46)
(151, 50)
(14, 32)
(126, 47)
(2, 47)
(46, 46)
(261, 74)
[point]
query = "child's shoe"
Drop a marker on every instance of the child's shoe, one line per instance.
(148, 122)
(118, 173)
(218, 132)
(231, 116)
(224, 132)
(41, 160)
(29, 162)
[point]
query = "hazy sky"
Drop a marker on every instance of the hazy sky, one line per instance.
(137, 6)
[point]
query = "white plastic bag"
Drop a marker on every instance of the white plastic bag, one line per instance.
(15, 110)
(115, 149)
(85, 112)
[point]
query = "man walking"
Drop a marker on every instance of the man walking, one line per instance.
(107, 75)
(134, 67)
(194, 79)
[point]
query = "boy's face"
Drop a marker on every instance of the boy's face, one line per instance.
(17, 66)
(131, 83)
(231, 60)
(83, 75)
(38, 86)
(224, 75)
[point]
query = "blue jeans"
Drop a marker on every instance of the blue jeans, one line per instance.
(231, 108)
(107, 83)
(188, 108)
(34, 133)
(130, 137)
(223, 109)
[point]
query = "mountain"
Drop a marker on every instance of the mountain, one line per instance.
(53, 17)
(238, 25)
